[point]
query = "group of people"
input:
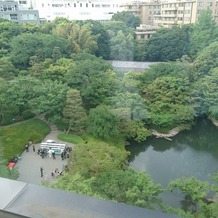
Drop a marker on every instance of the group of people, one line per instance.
(56, 173)
(65, 152)
(46, 153)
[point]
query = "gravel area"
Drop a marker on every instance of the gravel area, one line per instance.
(30, 163)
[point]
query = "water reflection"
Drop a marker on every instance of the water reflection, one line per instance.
(190, 153)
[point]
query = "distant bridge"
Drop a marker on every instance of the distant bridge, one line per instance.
(131, 65)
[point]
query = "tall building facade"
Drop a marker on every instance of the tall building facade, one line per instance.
(145, 10)
(183, 12)
(10, 10)
(171, 12)
(101, 10)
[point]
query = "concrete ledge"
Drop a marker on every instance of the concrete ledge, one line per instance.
(28, 200)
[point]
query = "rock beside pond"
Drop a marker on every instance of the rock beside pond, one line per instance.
(215, 122)
(168, 135)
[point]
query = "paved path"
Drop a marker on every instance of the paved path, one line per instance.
(30, 163)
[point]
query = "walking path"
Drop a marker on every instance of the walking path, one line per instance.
(30, 163)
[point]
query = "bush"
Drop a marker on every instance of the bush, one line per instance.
(62, 126)
(27, 114)
(9, 119)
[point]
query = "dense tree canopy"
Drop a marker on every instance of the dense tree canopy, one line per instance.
(128, 18)
(73, 113)
(40, 45)
(93, 78)
(203, 33)
(168, 44)
(102, 123)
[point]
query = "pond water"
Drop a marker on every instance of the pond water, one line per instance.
(190, 153)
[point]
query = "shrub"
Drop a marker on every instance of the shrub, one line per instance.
(27, 114)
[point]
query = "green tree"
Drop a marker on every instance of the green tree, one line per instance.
(205, 95)
(168, 44)
(56, 53)
(102, 123)
(168, 99)
(8, 31)
(41, 45)
(195, 190)
(7, 109)
(79, 36)
(28, 93)
(140, 50)
(128, 18)
(7, 69)
(75, 183)
(93, 78)
(206, 60)
(122, 47)
(113, 27)
(20, 91)
(50, 99)
(203, 33)
(95, 157)
(128, 187)
(73, 113)
(134, 130)
(133, 102)
(102, 38)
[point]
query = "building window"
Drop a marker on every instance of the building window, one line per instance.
(13, 16)
(81, 5)
(87, 5)
(105, 6)
(200, 4)
(188, 4)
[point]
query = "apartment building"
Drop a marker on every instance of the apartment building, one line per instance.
(145, 10)
(101, 10)
(144, 32)
(183, 11)
(10, 10)
(171, 12)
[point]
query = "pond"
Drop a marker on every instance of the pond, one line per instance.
(190, 153)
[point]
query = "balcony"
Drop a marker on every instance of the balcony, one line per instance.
(169, 9)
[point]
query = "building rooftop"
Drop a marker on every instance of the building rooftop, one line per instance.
(19, 199)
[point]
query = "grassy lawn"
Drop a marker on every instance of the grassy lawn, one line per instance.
(14, 138)
(70, 138)
(86, 138)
